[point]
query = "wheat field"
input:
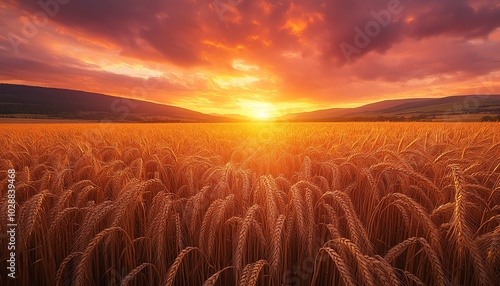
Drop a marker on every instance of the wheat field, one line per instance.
(254, 204)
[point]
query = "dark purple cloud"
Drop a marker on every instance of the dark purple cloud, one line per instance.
(176, 28)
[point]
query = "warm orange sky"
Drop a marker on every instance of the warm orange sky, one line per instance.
(254, 57)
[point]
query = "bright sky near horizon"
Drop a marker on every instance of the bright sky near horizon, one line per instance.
(260, 58)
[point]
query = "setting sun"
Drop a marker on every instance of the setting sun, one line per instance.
(259, 110)
(263, 115)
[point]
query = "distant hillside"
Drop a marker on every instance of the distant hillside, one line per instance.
(19, 101)
(40, 102)
(452, 108)
(234, 116)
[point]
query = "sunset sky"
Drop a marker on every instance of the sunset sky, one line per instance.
(254, 57)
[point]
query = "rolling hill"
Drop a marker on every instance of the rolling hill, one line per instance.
(452, 108)
(40, 102)
(20, 101)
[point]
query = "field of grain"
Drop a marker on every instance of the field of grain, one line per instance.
(254, 204)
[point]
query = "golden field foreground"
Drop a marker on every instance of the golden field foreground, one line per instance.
(254, 204)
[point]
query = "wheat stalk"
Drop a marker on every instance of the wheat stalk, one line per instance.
(243, 236)
(131, 275)
(344, 270)
(172, 272)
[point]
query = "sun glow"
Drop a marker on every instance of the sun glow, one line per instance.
(259, 110)
(263, 115)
